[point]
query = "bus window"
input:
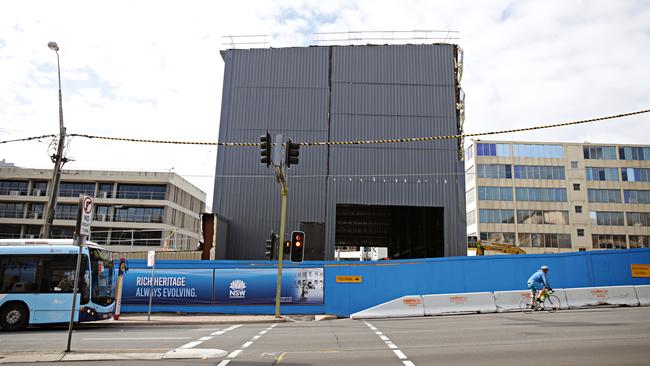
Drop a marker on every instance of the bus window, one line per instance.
(18, 274)
(103, 292)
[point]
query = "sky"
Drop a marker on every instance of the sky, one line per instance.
(152, 69)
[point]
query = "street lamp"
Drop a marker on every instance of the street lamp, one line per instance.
(57, 159)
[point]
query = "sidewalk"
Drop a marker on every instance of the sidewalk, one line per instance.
(139, 319)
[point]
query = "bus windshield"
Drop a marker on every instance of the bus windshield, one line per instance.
(103, 292)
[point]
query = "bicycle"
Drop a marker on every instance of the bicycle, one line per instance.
(550, 302)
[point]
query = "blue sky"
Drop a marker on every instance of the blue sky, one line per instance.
(131, 70)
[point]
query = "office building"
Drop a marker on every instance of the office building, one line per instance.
(132, 210)
(558, 197)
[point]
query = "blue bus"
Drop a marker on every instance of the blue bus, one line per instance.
(37, 279)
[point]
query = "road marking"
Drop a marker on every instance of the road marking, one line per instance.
(232, 327)
(391, 345)
(218, 333)
(134, 339)
(191, 344)
(256, 337)
(245, 345)
(203, 339)
(224, 363)
(235, 353)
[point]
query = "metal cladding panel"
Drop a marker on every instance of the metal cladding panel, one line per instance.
(338, 94)
(282, 91)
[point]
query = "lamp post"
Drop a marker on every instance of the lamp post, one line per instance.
(58, 159)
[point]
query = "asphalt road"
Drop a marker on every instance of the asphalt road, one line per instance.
(612, 336)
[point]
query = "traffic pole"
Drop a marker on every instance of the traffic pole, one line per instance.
(283, 215)
(81, 239)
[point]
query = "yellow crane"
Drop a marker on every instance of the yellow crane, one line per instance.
(481, 247)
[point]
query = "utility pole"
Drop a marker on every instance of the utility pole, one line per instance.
(283, 214)
(58, 159)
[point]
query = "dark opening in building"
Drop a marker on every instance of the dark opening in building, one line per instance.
(407, 231)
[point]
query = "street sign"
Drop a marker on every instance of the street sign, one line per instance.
(86, 215)
(640, 270)
(151, 258)
(349, 279)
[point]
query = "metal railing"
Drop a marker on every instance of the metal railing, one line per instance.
(140, 195)
(386, 36)
(4, 191)
(12, 214)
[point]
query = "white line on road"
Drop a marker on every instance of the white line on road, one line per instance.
(232, 327)
(191, 344)
(218, 333)
(134, 338)
(391, 345)
(203, 339)
(247, 344)
(235, 353)
(224, 363)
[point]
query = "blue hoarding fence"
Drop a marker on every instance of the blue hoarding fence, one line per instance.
(248, 287)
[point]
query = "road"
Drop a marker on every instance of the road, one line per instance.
(607, 336)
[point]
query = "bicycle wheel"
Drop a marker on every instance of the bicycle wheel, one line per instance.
(551, 303)
(524, 305)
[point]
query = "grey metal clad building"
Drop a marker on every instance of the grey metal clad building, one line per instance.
(408, 197)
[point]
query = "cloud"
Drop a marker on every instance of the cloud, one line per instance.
(152, 69)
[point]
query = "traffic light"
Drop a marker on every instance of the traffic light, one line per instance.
(291, 153)
(270, 245)
(297, 246)
(287, 248)
(265, 145)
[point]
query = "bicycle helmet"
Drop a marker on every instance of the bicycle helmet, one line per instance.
(544, 268)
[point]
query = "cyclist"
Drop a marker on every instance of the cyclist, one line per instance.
(537, 282)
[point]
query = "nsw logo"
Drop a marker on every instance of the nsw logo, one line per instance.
(237, 289)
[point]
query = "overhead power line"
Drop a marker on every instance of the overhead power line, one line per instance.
(357, 142)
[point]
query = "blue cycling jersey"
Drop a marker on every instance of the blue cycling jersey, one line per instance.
(538, 278)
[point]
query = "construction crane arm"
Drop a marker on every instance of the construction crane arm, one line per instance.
(481, 247)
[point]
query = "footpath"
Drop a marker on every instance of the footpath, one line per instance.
(139, 319)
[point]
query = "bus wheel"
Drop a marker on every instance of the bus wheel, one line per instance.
(14, 316)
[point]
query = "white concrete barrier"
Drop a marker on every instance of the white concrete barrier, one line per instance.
(509, 300)
(592, 296)
(474, 302)
(405, 306)
(643, 294)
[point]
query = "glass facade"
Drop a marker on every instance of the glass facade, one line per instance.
(141, 191)
(497, 216)
(470, 196)
(140, 238)
(538, 151)
(13, 188)
(539, 172)
(602, 174)
(635, 174)
(634, 153)
(639, 241)
(541, 194)
(12, 210)
(471, 218)
(494, 171)
(139, 214)
(66, 212)
(638, 218)
(607, 241)
(495, 193)
(542, 240)
(105, 190)
(599, 152)
(636, 197)
(508, 238)
(604, 195)
(75, 189)
(539, 217)
(487, 149)
(606, 218)
(39, 189)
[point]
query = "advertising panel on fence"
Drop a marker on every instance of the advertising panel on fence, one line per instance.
(257, 286)
(170, 287)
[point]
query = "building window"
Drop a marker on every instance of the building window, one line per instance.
(495, 193)
(538, 151)
(508, 238)
(469, 153)
(578, 209)
(602, 174)
(581, 232)
(635, 174)
(35, 211)
(539, 217)
(639, 241)
(541, 194)
(599, 152)
(604, 195)
(11, 210)
(634, 153)
(483, 149)
(606, 218)
(66, 212)
(469, 176)
(494, 171)
(75, 189)
(13, 188)
(636, 197)
(539, 172)
(574, 165)
(139, 214)
(607, 241)
(576, 186)
(497, 216)
(539, 240)
(470, 196)
(105, 190)
(39, 189)
(471, 218)
(135, 237)
(638, 218)
(141, 191)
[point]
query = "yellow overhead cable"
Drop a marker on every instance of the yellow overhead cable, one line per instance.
(359, 142)
(27, 139)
